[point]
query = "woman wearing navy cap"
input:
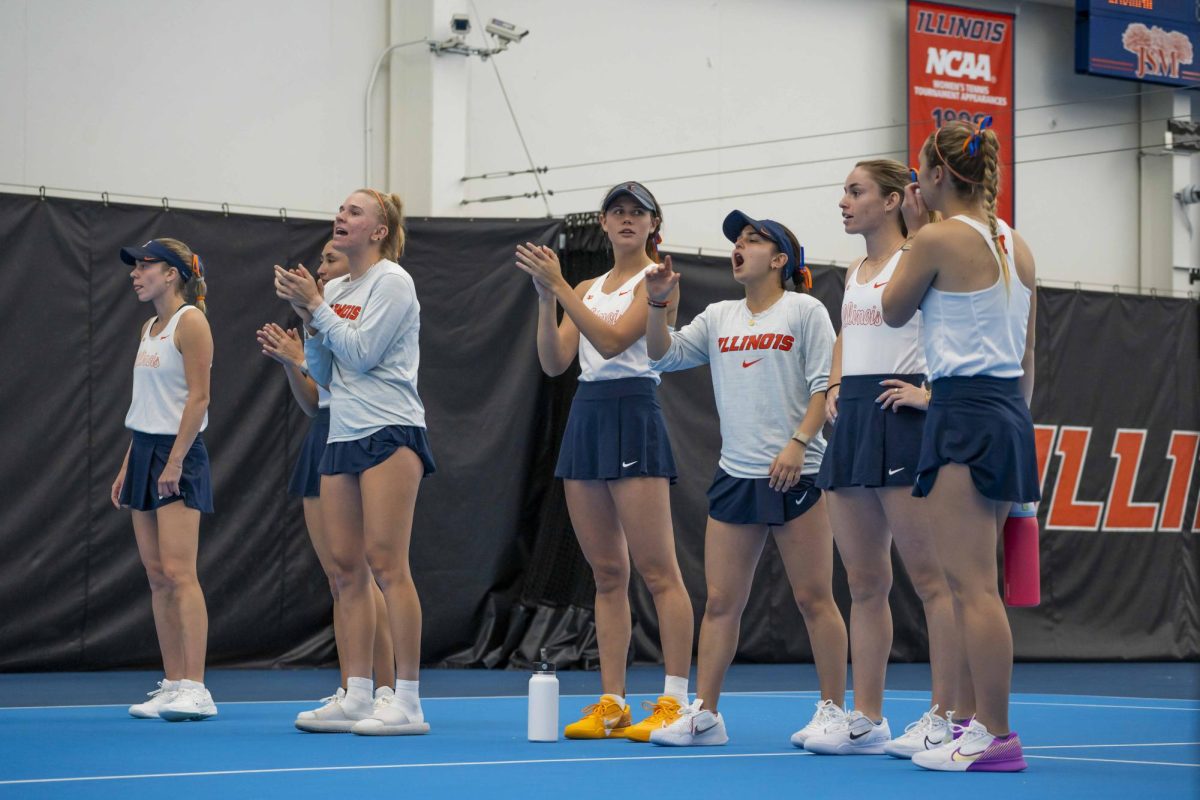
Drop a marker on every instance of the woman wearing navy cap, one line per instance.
(616, 461)
(877, 404)
(972, 278)
(287, 348)
(769, 358)
(165, 476)
(364, 344)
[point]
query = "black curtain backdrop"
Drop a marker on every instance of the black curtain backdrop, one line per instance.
(495, 560)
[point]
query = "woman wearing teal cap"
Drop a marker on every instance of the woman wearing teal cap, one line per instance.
(769, 356)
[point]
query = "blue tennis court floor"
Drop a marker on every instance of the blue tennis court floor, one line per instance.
(54, 743)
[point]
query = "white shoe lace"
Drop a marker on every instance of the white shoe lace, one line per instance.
(385, 700)
(971, 734)
(827, 712)
(162, 689)
(922, 726)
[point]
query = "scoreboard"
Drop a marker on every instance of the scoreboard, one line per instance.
(1157, 41)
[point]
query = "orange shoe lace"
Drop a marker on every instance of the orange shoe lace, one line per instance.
(603, 708)
(666, 709)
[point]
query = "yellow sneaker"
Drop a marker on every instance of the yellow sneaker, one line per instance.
(663, 712)
(601, 720)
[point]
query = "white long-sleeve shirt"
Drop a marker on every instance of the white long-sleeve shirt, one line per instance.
(765, 367)
(367, 352)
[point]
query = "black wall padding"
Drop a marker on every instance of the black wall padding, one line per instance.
(496, 564)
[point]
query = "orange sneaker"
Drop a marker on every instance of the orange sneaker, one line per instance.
(604, 719)
(663, 712)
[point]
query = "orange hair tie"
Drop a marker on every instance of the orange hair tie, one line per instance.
(382, 207)
(946, 163)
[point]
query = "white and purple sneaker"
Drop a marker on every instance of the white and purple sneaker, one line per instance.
(975, 750)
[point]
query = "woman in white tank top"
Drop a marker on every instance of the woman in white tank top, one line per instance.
(616, 460)
(287, 348)
(869, 470)
(972, 278)
(165, 476)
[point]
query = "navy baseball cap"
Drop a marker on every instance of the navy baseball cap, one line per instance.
(639, 193)
(770, 229)
(154, 250)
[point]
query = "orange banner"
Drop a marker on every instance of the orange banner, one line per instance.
(960, 67)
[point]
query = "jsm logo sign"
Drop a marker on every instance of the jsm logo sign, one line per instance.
(1064, 510)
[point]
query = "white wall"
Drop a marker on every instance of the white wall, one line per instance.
(260, 102)
(255, 102)
(589, 84)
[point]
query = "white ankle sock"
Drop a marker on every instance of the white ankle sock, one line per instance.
(409, 699)
(677, 687)
(186, 684)
(618, 698)
(360, 691)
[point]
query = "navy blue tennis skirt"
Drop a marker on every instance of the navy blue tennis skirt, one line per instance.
(148, 455)
(306, 477)
(752, 501)
(982, 422)
(615, 430)
(872, 446)
(360, 455)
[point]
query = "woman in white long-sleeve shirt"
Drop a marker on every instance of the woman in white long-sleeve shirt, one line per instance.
(769, 355)
(364, 345)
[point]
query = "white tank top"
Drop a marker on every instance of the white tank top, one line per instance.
(633, 363)
(981, 332)
(869, 347)
(159, 385)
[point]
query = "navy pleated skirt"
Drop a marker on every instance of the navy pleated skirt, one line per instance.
(306, 477)
(148, 454)
(752, 501)
(615, 430)
(982, 422)
(872, 446)
(359, 455)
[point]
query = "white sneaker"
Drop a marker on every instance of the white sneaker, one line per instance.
(192, 703)
(334, 716)
(694, 728)
(389, 719)
(856, 734)
(975, 750)
(827, 715)
(384, 694)
(164, 694)
(930, 731)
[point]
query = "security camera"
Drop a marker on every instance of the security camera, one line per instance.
(460, 24)
(506, 31)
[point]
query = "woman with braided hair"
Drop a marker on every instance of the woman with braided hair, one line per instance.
(972, 278)
(364, 345)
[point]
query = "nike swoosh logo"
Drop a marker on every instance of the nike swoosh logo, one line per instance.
(750, 363)
(894, 471)
(880, 285)
(859, 736)
(958, 756)
(801, 500)
(931, 745)
(703, 730)
(627, 466)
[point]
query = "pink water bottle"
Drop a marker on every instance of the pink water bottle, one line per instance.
(1022, 568)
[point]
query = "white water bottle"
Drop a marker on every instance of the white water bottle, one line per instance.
(543, 702)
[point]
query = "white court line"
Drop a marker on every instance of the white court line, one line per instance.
(783, 694)
(1116, 761)
(1090, 746)
(354, 767)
